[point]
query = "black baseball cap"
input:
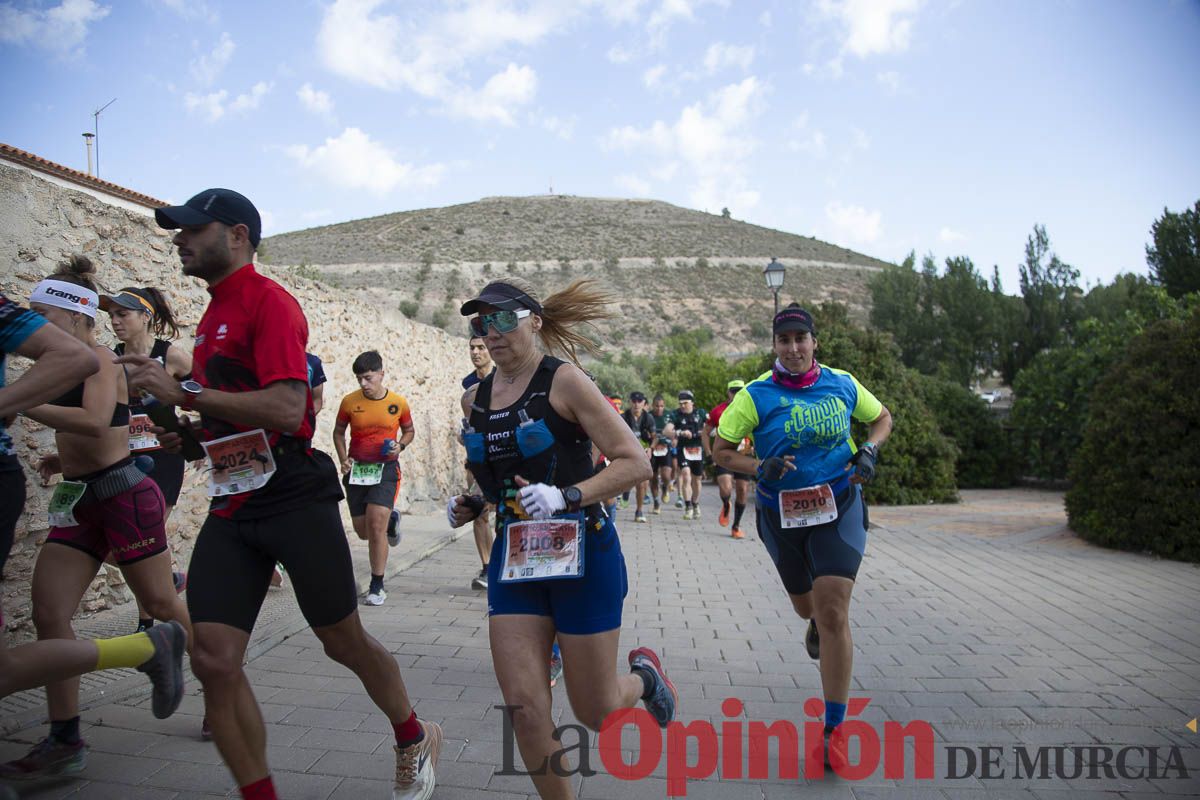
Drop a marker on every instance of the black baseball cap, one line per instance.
(637, 397)
(501, 295)
(793, 318)
(686, 395)
(134, 299)
(213, 205)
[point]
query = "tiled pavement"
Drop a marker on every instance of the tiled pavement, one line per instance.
(987, 619)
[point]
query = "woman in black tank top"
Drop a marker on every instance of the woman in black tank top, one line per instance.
(104, 505)
(140, 317)
(556, 569)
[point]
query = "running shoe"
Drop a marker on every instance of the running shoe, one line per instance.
(555, 664)
(480, 580)
(144, 625)
(812, 641)
(696, 511)
(687, 513)
(736, 533)
(375, 597)
(165, 667)
(833, 752)
(723, 520)
(679, 502)
(639, 518)
(415, 765)
(180, 579)
(623, 503)
(47, 758)
(663, 698)
(666, 497)
(393, 528)
(657, 509)
(205, 730)
(646, 498)
(277, 577)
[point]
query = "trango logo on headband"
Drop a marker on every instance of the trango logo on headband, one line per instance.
(74, 298)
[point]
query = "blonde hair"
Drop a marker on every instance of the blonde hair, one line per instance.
(565, 312)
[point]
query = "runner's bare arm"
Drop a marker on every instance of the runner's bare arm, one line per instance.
(99, 400)
(339, 444)
(318, 393)
(278, 407)
(60, 362)
(577, 399)
(726, 454)
(179, 363)
(407, 433)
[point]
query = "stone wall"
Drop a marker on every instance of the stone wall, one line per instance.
(43, 223)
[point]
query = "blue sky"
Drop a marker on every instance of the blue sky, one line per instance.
(880, 125)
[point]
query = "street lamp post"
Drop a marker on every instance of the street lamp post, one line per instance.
(774, 273)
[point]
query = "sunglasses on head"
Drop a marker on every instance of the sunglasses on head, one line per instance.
(502, 321)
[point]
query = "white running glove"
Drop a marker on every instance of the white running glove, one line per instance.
(450, 511)
(540, 501)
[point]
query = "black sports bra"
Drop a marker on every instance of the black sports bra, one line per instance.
(74, 399)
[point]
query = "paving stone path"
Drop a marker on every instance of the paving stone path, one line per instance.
(989, 620)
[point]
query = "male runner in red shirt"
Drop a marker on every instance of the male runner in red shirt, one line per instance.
(274, 497)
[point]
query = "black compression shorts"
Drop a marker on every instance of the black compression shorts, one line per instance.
(737, 476)
(233, 560)
(385, 493)
(803, 554)
(167, 473)
(12, 503)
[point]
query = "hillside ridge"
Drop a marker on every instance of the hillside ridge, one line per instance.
(499, 229)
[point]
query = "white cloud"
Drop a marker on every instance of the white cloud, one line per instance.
(314, 100)
(213, 105)
(950, 236)
(710, 138)
(252, 99)
(620, 10)
(853, 224)
(61, 28)
(207, 67)
(889, 80)
(872, 27)
(720, 56)
(619, 54)
(635, 186)
(429, 55)
(861, 140)
(354, 161)
(563, 128)
(495, 102)
(806, 140)
(191, 9)
(653, 77)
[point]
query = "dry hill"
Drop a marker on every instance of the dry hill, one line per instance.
(667, 265)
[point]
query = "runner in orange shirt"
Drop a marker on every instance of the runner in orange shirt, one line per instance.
(371, 472)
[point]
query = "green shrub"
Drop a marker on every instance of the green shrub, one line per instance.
(409, 308)
(1136, 474)
(986, 458)
(1052, 393)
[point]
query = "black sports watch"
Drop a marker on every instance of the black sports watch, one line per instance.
(574, 498)
(191, 390)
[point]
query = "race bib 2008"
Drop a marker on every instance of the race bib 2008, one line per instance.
(542, 548)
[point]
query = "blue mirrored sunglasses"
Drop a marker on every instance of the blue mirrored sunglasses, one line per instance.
(502, 321)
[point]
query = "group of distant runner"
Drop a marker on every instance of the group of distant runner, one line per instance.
(546, 455)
